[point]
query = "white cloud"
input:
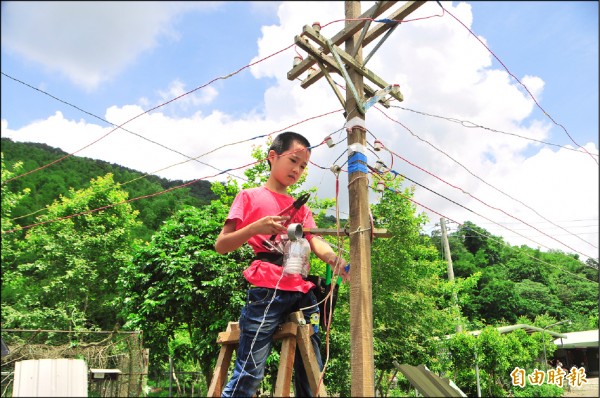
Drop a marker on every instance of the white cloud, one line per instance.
(185, 101)
(88, 42)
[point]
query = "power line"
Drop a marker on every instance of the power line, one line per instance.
(469, 124)
(146, 112)
(466, 208)
(209, 152)
(125, 201)
(523, 85)
(102, 119)
(489, 236)
(486, 204)
(470, 172)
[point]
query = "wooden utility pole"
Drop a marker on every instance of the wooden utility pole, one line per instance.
(450, 269)
(361, 306)
(359, 97)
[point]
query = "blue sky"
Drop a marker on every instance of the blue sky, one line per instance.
(556, 40)
(117, 59)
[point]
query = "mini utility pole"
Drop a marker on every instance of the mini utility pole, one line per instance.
(359, 97)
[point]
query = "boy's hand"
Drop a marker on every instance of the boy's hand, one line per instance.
(271, 225)
(338, 266)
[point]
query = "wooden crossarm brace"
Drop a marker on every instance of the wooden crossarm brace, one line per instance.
(342, 36)
(339, 95)
(358, 45)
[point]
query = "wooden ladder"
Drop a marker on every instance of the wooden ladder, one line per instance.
(293, 332)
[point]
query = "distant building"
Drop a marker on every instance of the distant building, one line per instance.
(579, 349)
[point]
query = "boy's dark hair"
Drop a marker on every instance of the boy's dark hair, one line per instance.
(283, 142)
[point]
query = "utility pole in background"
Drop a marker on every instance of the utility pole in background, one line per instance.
(359, 97)
(446, 246)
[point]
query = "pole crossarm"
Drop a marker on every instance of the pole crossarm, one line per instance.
(342, 36)
(340, 56)
(374, 33)
(377, 232)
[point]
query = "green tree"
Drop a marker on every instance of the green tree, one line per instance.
(496, 356)
(64, 277)
(498, 302)
(178, 281)
(10, 200)
(56, 180)
(536, 299)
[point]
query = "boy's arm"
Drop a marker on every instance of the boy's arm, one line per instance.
(326, 253)
(230, 239)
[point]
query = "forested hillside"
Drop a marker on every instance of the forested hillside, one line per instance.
(150, 265)
(515, 282)
(76, 172)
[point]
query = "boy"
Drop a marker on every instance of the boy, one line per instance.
(253, 218)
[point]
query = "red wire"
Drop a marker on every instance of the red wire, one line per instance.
(328, 317)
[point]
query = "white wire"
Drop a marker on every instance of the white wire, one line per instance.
(256, 335)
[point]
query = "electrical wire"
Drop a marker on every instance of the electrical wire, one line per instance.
(518, 81)
(489, 236)
(383, 20)
(146, 196)
(491, 207)
(471, 125)
(148, 111)
(126, 201)
(111, 124)
(207, 153)
(470, 172)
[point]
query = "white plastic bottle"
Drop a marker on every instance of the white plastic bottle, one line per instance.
(296, 254)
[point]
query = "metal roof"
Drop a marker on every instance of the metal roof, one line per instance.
(584, 339)
(529, 329)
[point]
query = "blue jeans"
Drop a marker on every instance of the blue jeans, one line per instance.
(256, 332)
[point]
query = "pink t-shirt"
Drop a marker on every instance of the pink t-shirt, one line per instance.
(253, 204)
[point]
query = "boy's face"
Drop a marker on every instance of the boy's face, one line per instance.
(288, 167)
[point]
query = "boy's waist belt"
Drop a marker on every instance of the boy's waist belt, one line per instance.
(273, 258)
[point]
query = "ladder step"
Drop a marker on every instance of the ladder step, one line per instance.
(288, 329)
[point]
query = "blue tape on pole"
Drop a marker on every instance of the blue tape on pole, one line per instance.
(358, 162)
